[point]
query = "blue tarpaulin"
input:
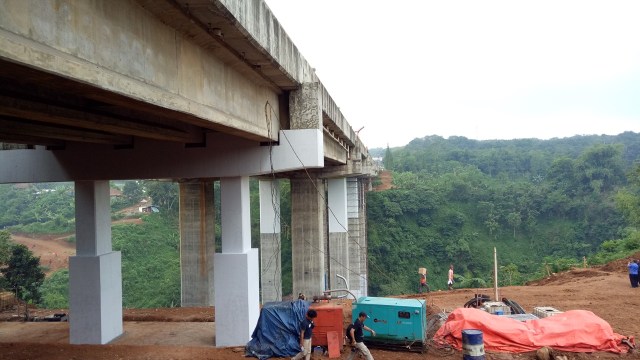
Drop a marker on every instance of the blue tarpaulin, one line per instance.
(277, 333)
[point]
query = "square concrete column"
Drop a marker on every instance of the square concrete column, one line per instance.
(270, 262)
(308, 236)
(197, 243)
(357, 276)
(338, 233)
(236, 275)
(95, 275)
(363, 186)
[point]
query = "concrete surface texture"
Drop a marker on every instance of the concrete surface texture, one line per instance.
(270, 240)
(121, 47)
(308, 236)
(197, 243)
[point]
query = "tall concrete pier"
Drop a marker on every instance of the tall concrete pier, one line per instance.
(197, 243)
(338, 233)
(93, 91)
(308, 236)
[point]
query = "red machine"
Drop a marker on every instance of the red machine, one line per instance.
(330, 318)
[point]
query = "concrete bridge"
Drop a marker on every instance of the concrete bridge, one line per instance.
(193, 92)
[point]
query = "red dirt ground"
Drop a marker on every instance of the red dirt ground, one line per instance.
(177, 334)
(188, 333)
(386, 181)
(54, 251)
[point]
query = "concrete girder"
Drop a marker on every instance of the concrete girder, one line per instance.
(160, 160)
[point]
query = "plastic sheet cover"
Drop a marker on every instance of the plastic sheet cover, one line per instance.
(277, 333)
(573, 331)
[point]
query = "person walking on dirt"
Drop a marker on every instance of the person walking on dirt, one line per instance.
(450, 280)
(357, 337)
(633, 273)
(306, 330)
(423, 283)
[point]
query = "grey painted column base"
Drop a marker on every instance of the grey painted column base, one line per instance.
(237, 297)
(95, 297)
(271, 268)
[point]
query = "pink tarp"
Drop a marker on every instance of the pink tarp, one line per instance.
(574, 331)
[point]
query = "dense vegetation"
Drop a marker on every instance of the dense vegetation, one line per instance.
(543, 204)
(150, 251)
(22, 274)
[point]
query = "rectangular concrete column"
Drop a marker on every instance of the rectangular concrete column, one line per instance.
(95, 272)
(363, 186)
(357, 237)
(308, 236)
(270, 262)
(197, 243)
(338, 232)
(236, 276)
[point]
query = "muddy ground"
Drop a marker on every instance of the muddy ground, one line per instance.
(189, 333)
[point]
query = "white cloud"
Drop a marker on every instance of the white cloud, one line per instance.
(407, 69)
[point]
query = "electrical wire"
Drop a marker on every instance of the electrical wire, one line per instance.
(321, 194)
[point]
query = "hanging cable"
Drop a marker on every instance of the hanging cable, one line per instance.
(321, 194)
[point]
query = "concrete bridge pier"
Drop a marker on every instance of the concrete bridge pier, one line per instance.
(270, 259)
(338, 232)
(197, 243)
(357, 213)
(95, 273)
(308, 236)
(236, 275)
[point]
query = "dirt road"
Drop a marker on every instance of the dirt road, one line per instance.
(54, 251)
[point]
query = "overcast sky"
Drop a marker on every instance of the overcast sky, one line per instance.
(480, 69)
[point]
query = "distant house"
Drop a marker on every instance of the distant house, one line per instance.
(149, 209)
(113, 192)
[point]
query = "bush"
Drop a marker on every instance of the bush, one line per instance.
(55, 290)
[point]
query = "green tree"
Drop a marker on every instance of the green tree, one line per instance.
(5, 247)
(164, 194)
(133, 191)
(511, 275)
(388, 159)
(600, 168)
(24, 276)
(55, 290)
(514, 219)
(628, 199)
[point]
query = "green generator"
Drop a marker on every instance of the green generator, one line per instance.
(398, 323)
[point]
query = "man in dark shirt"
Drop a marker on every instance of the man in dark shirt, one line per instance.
(357, 337)
(306, 330)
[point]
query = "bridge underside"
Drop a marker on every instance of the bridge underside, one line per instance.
(92, 92)
(39, 108)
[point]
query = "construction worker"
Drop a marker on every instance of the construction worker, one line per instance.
(306, 331)
(357, 337)
(633, 273)
(423, 283)
(450, 280)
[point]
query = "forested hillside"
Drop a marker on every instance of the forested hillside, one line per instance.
(544, 204)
